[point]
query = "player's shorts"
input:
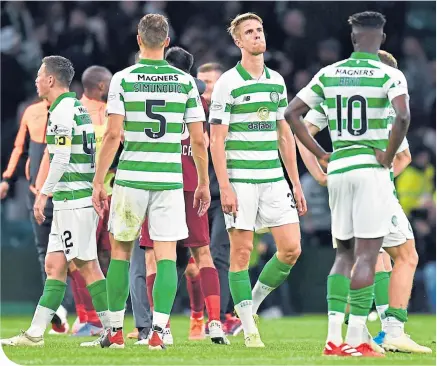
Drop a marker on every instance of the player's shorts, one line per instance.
(102, 234)
(400, 231)
(263, 205)
(165, 211)
(198, 227)
(362, 203)
(74, 233)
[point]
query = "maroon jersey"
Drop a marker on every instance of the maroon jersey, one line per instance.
(188, 167)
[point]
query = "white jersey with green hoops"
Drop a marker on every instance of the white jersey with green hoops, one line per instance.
(251, 109)
(70, 127)
(318, 117)
(155, 99)
(356, 94)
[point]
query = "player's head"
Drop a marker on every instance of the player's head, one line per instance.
(95, 81)
(180, 58)
(209, 73)
(367, 31)
(387, 58)
(153, 32)
(248, 33)
(56, 72)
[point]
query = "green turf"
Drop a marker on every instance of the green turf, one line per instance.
(291, 341)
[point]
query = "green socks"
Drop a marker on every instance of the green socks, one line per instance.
(117, 283)
(399, 314)
(337, 293)
(382, 281)
(273, 274)
(361, 300)
(98, 295)
(165, 287)
(239, 284)
(53, 294)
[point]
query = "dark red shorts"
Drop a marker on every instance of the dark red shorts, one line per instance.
(198, 227)
(102, 234)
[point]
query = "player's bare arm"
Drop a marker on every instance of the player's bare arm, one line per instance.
(401, 161)
(227, 194)
(293, 115)
(400, 127)
(310, 160)
(287, 149)
(202, 197)
(57, 169)
(110, 144)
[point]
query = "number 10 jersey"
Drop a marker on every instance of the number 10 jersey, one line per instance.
(355, 95)
(155, 100)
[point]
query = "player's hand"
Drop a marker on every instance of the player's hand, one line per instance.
(324, 160)
(100, 199)
(38, 208)
(229, 201)
(381, 157)
(301, 203)
(4, 189)
(202, 199)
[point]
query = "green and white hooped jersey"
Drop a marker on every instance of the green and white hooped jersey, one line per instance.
(251, 109)
(318, 117)
(70, 127)
(155, 99)
(355, 94)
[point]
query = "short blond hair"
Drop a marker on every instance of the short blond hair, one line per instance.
(387, 58)
(233, 28)
(153, 30)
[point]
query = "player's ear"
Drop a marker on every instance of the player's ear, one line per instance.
(166, 42)
(383, 38)
(139, 40)
(353, 39)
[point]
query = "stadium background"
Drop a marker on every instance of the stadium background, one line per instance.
(301, 38)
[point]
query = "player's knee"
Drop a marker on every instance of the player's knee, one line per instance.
(202, 257)
(290, 255)
(192, 270)
(241, 255)
(54, 269)
(408, 257)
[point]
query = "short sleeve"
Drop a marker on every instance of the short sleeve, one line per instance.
(317, 117)
(194, 109)
(62, 120)
(221, 103)
(397, 85)
(313, 94)
(115, 104)
(283, 102)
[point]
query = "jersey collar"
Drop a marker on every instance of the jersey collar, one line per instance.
(246, 76)
(146, 61)
(58, 99)
(364, 56)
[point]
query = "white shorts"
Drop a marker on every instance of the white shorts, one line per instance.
(362, 203)
(400, 229)
(165, 211)
(263, 205)
(74, 233)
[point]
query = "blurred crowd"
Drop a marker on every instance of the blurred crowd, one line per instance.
(302, 37)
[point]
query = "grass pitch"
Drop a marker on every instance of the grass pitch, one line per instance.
(289, 341)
